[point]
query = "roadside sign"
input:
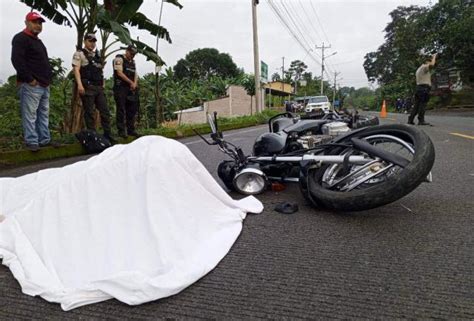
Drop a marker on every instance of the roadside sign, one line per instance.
(263, 71)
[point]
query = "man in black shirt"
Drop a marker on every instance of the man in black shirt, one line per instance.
(34, 74)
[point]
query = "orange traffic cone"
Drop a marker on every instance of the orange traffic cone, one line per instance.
(383, 112)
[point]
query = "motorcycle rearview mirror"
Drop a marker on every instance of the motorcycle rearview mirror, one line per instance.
(212, 124)
(214, 127)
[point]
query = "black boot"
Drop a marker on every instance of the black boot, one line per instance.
(134, 133)
(423, 123)
(111, 139)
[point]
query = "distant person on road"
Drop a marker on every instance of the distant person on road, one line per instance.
(126, 92)
(399, 105)
(89, 75)
(422, 93)
(34, 74)
(407, 104)
(288, 106)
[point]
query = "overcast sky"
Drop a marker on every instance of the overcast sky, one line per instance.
(352, 28)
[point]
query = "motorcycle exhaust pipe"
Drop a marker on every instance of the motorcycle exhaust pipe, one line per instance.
(383, 154)
(325, 159)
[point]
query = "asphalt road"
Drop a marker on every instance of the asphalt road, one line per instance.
(413, 258)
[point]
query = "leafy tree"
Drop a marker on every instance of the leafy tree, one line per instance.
(288, 76)
(398, 55)
(276, 77)
(203, 63)
(297, 68)
(414, 33)
(248, 82)
(448, 27)
(10, 118)
(112, 18)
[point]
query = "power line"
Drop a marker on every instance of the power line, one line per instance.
(310, 22)
(295, 24)
(319, 22)
(329, 66)
(309, 43)
(292, 33)
(301, 23)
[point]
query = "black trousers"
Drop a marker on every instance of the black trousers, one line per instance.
(127, 108)
(422, 96)
(93, 98)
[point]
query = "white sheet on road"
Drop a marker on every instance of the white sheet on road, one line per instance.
(137, 222)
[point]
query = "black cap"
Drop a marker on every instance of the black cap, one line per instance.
(132, 49)
(90, 36)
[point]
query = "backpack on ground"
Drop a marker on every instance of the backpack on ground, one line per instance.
(92, 141)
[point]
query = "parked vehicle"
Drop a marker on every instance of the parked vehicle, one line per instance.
(318, 104)
(338, 170)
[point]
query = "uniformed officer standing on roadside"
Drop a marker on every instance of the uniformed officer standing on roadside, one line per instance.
(89, 75)
(126, 92)
(422, 93)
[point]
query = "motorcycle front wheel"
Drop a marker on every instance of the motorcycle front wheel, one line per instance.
(352, 187)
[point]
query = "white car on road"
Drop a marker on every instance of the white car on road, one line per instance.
(318, 103)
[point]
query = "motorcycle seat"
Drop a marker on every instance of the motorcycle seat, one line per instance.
(305, 125)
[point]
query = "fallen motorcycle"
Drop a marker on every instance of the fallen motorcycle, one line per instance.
(351, 117)
(359, 170)
(297, 133)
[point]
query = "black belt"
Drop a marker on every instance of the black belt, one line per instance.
(86, 82)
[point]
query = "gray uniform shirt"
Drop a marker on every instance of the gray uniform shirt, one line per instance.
(80, 60)
(423, 75)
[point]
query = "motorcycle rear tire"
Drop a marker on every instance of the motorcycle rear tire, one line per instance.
(391, 189)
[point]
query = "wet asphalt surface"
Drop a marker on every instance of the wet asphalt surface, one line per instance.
(413, 258)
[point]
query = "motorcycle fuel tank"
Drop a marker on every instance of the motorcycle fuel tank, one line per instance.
(306, 125)
(269, 144)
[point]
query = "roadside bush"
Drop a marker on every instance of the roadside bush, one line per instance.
(463, 98)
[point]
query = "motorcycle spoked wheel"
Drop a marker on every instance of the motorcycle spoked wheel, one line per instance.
(388, 186)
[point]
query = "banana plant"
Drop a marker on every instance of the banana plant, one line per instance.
(112, 17)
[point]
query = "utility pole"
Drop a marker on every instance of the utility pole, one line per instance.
(256, 58)
(159, 108)
(334, 91)
(283, 69)
(322, 63)
(282, 73)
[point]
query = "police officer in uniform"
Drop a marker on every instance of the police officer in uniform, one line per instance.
(422, 93)
(126, 92)
(89, 75)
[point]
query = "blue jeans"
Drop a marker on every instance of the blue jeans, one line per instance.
(34, 105)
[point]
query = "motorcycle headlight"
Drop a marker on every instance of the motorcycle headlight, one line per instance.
(250, 181)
